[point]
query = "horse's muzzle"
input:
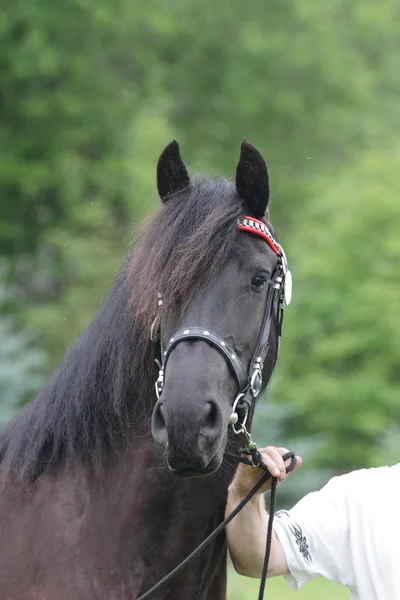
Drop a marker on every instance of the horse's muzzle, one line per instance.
(191, 433)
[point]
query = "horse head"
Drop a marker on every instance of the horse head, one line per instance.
(218, 350)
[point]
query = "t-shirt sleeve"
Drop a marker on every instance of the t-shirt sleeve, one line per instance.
(315, 536)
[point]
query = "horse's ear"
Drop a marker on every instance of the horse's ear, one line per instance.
(172, 175)
(252, 180)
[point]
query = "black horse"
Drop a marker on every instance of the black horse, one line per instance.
(102, 493)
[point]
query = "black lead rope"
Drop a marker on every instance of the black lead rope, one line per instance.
(269, 538)
(192, 557)
(256, 459)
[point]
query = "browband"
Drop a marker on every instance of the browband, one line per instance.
(253, 225)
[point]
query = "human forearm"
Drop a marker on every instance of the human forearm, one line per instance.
(247, 536)
(247, 532)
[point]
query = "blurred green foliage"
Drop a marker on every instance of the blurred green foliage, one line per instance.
(244, 588)
(90, 94)
(339, 369)
(21, 363)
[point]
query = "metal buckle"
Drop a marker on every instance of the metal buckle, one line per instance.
(256, 378)
(159, 384)
(256, 382)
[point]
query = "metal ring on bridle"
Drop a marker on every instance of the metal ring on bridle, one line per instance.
(243, 423)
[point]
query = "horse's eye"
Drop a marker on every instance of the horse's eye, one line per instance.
(258, 282)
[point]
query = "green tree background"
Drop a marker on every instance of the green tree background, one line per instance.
(90, 93)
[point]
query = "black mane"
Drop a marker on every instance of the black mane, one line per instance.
(105, 385)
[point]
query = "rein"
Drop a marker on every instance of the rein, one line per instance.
(249, 385)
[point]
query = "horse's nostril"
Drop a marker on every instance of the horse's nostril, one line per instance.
(212, 421)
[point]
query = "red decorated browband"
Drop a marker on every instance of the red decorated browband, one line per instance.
(253, 225)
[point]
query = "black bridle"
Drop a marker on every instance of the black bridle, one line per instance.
(249, 385)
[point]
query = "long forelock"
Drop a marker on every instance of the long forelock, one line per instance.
(183, 246)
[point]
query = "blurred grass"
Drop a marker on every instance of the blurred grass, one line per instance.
(244, 588)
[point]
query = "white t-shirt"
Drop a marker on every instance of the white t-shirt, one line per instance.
(349, 532)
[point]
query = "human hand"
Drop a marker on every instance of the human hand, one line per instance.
(246, 476)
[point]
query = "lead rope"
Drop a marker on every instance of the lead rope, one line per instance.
(256, 461)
